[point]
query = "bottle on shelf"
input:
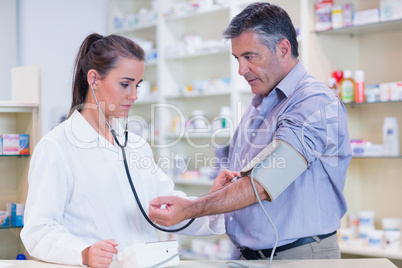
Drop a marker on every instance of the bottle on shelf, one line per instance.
(390, 136)
(359, 86)
(333, 85)
(347, 87)
(338, 75)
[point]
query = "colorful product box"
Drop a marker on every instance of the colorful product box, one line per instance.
(15, 144)
(391, 9)
(4, 218)
(323, 12)
(24, 144)
(17, 214)
(1, 144)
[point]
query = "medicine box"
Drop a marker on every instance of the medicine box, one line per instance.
(24, 144)
(368, 16)
(17, 214)
(323, 12)
(4, 218)
(390, 9)
(15, 144)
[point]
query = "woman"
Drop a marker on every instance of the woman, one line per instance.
(80, 209)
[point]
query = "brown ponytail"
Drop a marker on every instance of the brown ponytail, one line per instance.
(101, 54)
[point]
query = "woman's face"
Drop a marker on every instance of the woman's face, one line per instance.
(118, 90)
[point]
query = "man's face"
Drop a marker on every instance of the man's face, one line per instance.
(257, 64)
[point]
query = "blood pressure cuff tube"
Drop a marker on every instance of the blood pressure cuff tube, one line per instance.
(275, 167)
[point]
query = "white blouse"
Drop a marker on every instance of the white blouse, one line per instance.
(79, 193)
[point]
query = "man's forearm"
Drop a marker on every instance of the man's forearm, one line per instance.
(235, 196)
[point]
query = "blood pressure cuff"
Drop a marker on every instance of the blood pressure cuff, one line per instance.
(275, 167)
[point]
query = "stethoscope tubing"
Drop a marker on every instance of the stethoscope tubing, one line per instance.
(129, 176)
(135, 192)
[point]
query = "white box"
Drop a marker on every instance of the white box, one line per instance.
(368, 16)
(337, 17)
(390, 9)
(155, 254)
(11, 144)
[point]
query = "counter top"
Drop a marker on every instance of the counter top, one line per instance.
(343, 263)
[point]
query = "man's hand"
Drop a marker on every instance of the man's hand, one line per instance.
(169, 210)
(223, 179)
(100, 254)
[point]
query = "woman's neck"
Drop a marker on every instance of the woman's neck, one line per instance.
(95, 119)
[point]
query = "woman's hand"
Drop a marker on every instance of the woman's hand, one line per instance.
(100, 254)
(223, 179)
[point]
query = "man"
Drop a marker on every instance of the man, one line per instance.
(293, 109)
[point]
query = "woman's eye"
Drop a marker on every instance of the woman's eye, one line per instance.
(125, 85)
(138, 86)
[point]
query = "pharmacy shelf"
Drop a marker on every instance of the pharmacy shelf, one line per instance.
(10, 227)
(145, 101)
(202, 53)
(194, 182)
(199, 94)
(371, 252)
(372, 28)
(379, 157)
(200, 12)
(145, 26)
(18, 155)
(352, 104)
(194, 135)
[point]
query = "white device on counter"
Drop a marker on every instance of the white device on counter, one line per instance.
(154, 254)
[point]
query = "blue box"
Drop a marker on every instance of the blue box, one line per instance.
(17, 214)
(24, 144)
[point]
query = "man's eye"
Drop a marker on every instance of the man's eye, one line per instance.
(138, 86)
(248, 57)
(125, 85)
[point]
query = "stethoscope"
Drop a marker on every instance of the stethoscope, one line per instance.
(122, 147)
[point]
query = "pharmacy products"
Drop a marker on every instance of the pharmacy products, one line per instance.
(347, 87)
(390, 136)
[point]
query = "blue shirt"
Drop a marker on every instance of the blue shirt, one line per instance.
(306, 114)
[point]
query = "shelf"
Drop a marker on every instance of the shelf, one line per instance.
(144, 26)
(379, 157)
(213, 9)
(199, 94)
(380, 27)
(10, 227)
(17, 107)
(352, 104)
(207, 52)
(145, 101)
(201, 135)
(194, 182)
(22, 155)
(366, 251)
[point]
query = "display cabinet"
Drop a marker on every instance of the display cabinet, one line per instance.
(373, 183)
(21, 115)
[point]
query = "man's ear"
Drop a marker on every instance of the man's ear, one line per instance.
(284, 48)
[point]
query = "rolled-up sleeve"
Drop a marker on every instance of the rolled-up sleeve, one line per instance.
(311, 128)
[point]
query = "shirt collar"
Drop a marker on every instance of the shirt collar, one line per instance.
(82, 132)
(287, 86)
(290, 81)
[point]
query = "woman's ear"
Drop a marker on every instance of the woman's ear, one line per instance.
(92, 75)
